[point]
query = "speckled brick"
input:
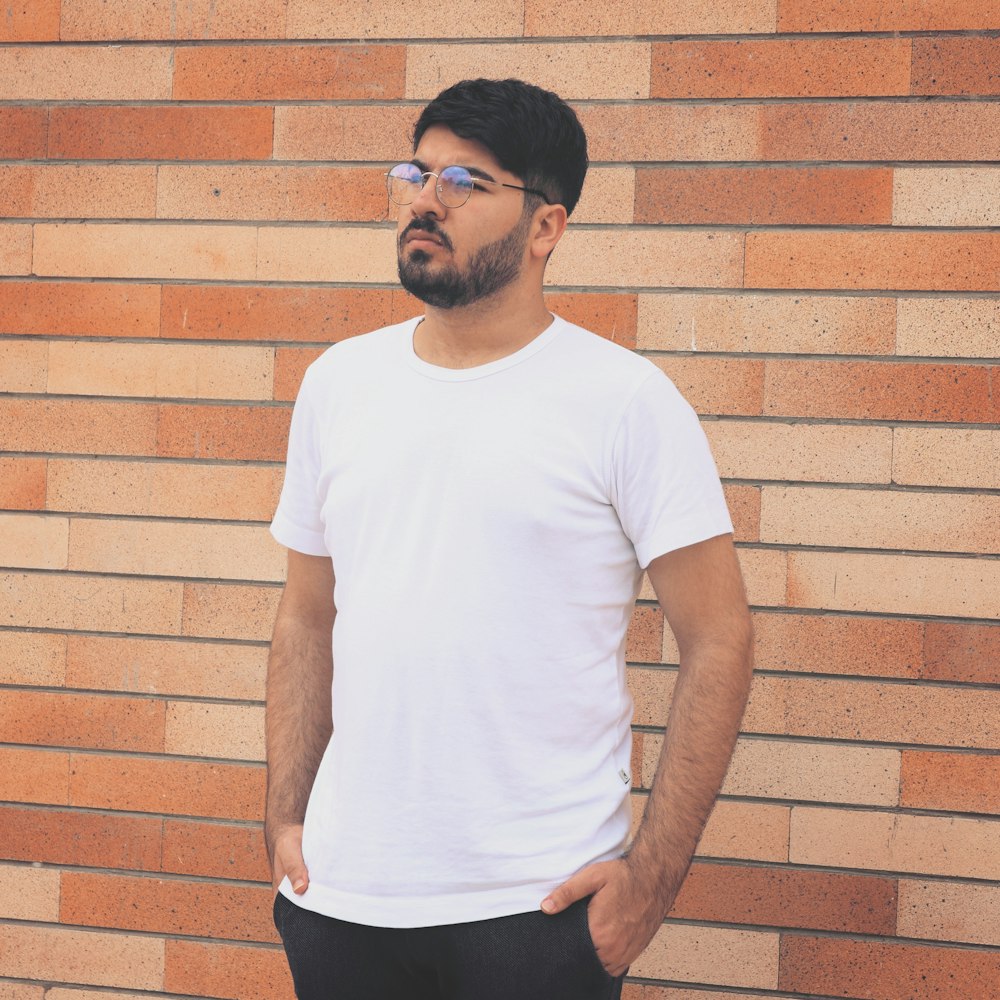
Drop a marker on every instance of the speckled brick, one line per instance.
(343, 254)
(32, 658)
(61, 191)
(16, 248)
(947, 327)
(955, 64)
(948, 196)
(30, 21)
(755, 831)
(23, 131)
(40, 776)
(730, 386)
(366, 131)
(942, 911)
(34, 541)
(613, 315)
(223, 432)
(229, 611)
(216, 850)
(227, 971)
(29, 893)
(956, 782)
(926, 456)
(204, 729)
(60, 425)
(80, 309)
(956, 651)
(97, 20)
(322, 19)
(874, 15)
(632, 17)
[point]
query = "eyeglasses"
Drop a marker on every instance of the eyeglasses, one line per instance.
(454, 185)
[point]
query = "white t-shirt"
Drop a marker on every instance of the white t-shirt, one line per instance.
(487, 528)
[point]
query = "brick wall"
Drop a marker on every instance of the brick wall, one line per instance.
(794, 209)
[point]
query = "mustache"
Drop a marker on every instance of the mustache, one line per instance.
(427, 226)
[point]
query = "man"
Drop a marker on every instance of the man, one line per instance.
(471, 497)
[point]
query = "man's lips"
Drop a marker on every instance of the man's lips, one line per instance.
(425, 236)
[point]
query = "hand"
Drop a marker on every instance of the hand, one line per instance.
(623, 914)
(286, 852)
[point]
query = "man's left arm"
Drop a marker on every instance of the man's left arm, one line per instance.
(700, 589)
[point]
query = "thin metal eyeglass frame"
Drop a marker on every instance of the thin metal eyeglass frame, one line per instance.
(424, 174)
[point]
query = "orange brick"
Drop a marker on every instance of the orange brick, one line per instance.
(229, 971)
(23, 366)
(899, 15)
(73, 308)
(838, 67)
(886, 841)
(23, 132)
(34, 541)
(16, 248)
(30, 21)
(22, 483)
(961, 652)
(929, 261)
(957, 782)
(85, 73)
(69, 837)
(229, 611)
(32, 658)
(949, 912)
(34, 776)
(730, 386)
(164, 490)
(824, 644)
(825, 196)
(170, 787)
(200, 729)
(950, 196)
(651, 691)
(105, 132)
(754, 831)
(288, 72)
(888, 971)
(82, 720)
(947, 327)
(290, 364)
(895, 584)
(217, 850)
(931, 457)
(744, 509)
(78, 191)
(353, 132)
(165, 666)
(167, 906)
(50, 600)
(321, 19)
(633, 991)
(737, 894)
(645, 635)
(28, 893)
(341, 194)
(685, 17)
(223, 432)
(143, 250)
(290, 253)
(59, 425)
(812, 452)
(97, 20)
(881, 519)
(616, 70)
(956, 65)
(783, 324)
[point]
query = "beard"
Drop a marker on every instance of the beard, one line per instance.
(491, 268)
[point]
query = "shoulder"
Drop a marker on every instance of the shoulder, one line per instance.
(365, 351)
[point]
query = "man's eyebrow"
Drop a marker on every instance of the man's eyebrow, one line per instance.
(474, 171)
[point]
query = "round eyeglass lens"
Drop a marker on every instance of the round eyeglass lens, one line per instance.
(454, 186)
(404, 181)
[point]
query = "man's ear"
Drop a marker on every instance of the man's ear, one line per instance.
(547, 227)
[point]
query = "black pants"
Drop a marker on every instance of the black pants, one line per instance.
(528, 956)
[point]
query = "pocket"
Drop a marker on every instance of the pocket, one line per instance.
(583, 908)
(278, 911)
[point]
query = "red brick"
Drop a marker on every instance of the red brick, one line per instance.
(78, 426)
(962, 652)
(79, 309)
(23, 132)
(170, 787)
(215, 850)
(744, 510)
(882, 971)
(320, 315)
(223, 432)
(289, 72)
(881, 391)
(774, 897)
(107, 132)
(828, 67)
(69, 837)
(34, 776)
(957, 782)
(22, 483)
(365, 131)
(612, 315)
(645, 635)
(290, 364)
(956, 65)
(167, 906)
(82, 720)
(227, 971)
(898, 15)
(823, 196)
(30, 21)
(713, 385)
(908, 261)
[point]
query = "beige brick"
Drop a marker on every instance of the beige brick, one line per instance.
(158, 548)
(825, 453)
(32, 658)
(164, 666)
(229, 611)
(928, 456)
(232, 732)
(764, 573)
(41, 600)
(948, 327)
(946, 911)
(137, 250)
(884, 841)
(365, 131)
(347, 19)
(34, 541)
(58, 993)
(15, 248)
(647, 257)
(187, 371)
(782, 324)
(86, 957)
(291, 253)
(896, 584)
(634, 17)
(95, 20)
(23, 366)
(40, 776)
(946, 196)
(57, 190)
(608, 196)
(710, 954)
(754, 831)
(23, 991)
(172, 489)
(880, 519)
(29, 893)
(606, 70)
(85, 73)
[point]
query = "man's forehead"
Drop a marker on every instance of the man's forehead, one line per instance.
(440, 147)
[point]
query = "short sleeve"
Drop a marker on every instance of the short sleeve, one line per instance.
(298, 522)
(664, 484)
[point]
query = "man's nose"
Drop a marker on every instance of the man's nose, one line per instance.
(427, 202)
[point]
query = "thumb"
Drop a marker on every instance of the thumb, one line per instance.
(289, 863)
(584, 883)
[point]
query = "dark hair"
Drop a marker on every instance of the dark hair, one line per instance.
(533, 133)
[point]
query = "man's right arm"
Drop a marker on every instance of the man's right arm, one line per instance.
(298, 718)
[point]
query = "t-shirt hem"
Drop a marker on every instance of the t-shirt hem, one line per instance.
(293, 537)
(677, 537)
